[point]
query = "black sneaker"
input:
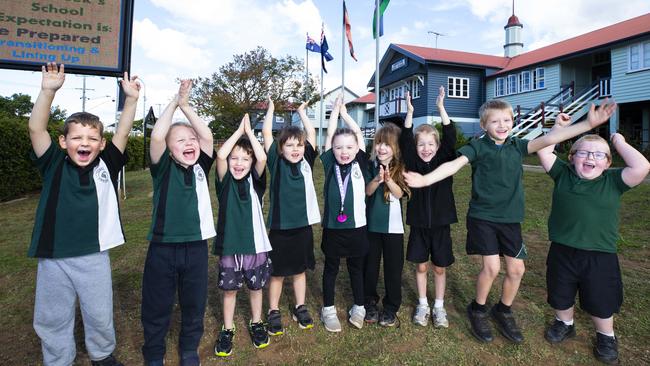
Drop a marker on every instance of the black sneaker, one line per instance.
(559, 331)
(274, 320)
(191, 360)
(507, 325)
(301, 315)
(479, 324)
(388, 319)
(372, 313)
(259, 334)
(223, 347)
(606, 349)
(110, 360)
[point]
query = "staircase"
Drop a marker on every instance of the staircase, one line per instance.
(540, 119)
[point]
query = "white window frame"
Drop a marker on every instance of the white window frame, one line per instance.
(539, 82)
(523, 77)
(499, 92)
(455, 87)
(414, 86)
(642, 63)
(511, 84)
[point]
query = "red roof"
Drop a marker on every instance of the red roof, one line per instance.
(366, 99)
(616, 32)
(457, 57)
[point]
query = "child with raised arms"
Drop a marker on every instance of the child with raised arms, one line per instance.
(241, 243)
(385, 227)
(431, 209)
(344, 221)
(496, 208)
(583, 229)
(294, 208)
(77, 221)
(181, 222)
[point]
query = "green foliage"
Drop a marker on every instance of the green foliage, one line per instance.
(18, 105)
(460, 137)
(243, 85)
(18, 173)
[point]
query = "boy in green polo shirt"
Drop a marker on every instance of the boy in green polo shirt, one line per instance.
(77, 221)
(496, 208)
(583, 229)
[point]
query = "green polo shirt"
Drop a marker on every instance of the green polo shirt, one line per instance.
(355, 197)
(584, 213)
(383, 217)
(293, 198)
(497, 186)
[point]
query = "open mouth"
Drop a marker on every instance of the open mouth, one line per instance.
(83, 154)
(588, 167)
(189, 154)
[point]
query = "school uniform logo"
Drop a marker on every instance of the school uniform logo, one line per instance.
(198, 172)
(101, 174)
(304, 167)
(356, 171)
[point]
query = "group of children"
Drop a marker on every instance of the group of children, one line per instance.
(362, 221)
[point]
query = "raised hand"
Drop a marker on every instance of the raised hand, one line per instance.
(616, 137)
(380, 176)
(440, 100)
(246, 121)
(271, 106)
(562, 120)
(598, 116)
(53, 77)
(409, 105)
(184, 92)
(302, 107)
(387, 177)
(130, 85)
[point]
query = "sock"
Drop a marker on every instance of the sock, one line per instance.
(503, 308)
(439, 303)
(423, 301)
(566, 322)
(611, 335)
(478, 307)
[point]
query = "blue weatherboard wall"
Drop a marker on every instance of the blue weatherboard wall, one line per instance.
(456, 107)
(628, 86)
(532, 98)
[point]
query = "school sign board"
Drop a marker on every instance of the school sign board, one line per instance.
(88, 36)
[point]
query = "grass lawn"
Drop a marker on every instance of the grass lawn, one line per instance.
(407, 344)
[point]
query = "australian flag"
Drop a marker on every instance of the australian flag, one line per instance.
(325, 56)
(312, 45)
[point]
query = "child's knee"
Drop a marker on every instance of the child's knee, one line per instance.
(439, 271)
(516, 269)
(422, 267)
(491, 269)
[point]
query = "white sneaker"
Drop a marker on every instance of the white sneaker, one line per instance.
(330, 319)
(421, 315)
(357, 315)
(440, 318)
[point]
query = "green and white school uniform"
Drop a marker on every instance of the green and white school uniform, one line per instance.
(77, 213)
(240, 227)
(182, 211)
(383, 217)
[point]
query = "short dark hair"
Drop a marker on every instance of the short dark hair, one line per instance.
(290, 132)
(85, 119)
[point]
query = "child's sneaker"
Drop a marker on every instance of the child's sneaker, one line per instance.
(301, 315)
(110, 360)
(357, 315)
(259, 334)
(330, 319)
(191, 359)
(223, 347)
(388, 319)
(439, 318)
(606, 349)
(421, 315)
(372, 313)
(479, 325)
(274, 320)
(559, 331)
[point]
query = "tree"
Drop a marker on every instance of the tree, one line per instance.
(243, 85)
(18, 105)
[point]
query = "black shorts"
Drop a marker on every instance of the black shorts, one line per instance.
(343, 243)
(491, 238)
(293, 251)
(433, 243)
(595, 276)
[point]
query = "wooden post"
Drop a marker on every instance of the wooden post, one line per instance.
(543, 113)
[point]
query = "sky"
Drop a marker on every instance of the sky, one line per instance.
(185, 39)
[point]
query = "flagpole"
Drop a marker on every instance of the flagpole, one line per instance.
(322, 112)
(343, 49)
(306, 70)
(377, 65)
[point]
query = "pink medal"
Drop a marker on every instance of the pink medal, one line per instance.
(343, 187)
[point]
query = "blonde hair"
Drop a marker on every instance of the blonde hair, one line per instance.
(593, 138)
(494, 104)
(179, 124)
(389, 134)
(427, 128)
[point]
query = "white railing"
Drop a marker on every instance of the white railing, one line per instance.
(391, 107)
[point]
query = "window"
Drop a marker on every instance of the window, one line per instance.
(500, 87)
(538, 78)
(639, 56)
(457, 87)
(524, 81)
(512, 84)
(414, 86)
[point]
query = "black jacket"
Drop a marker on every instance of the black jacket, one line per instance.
(433, 205)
